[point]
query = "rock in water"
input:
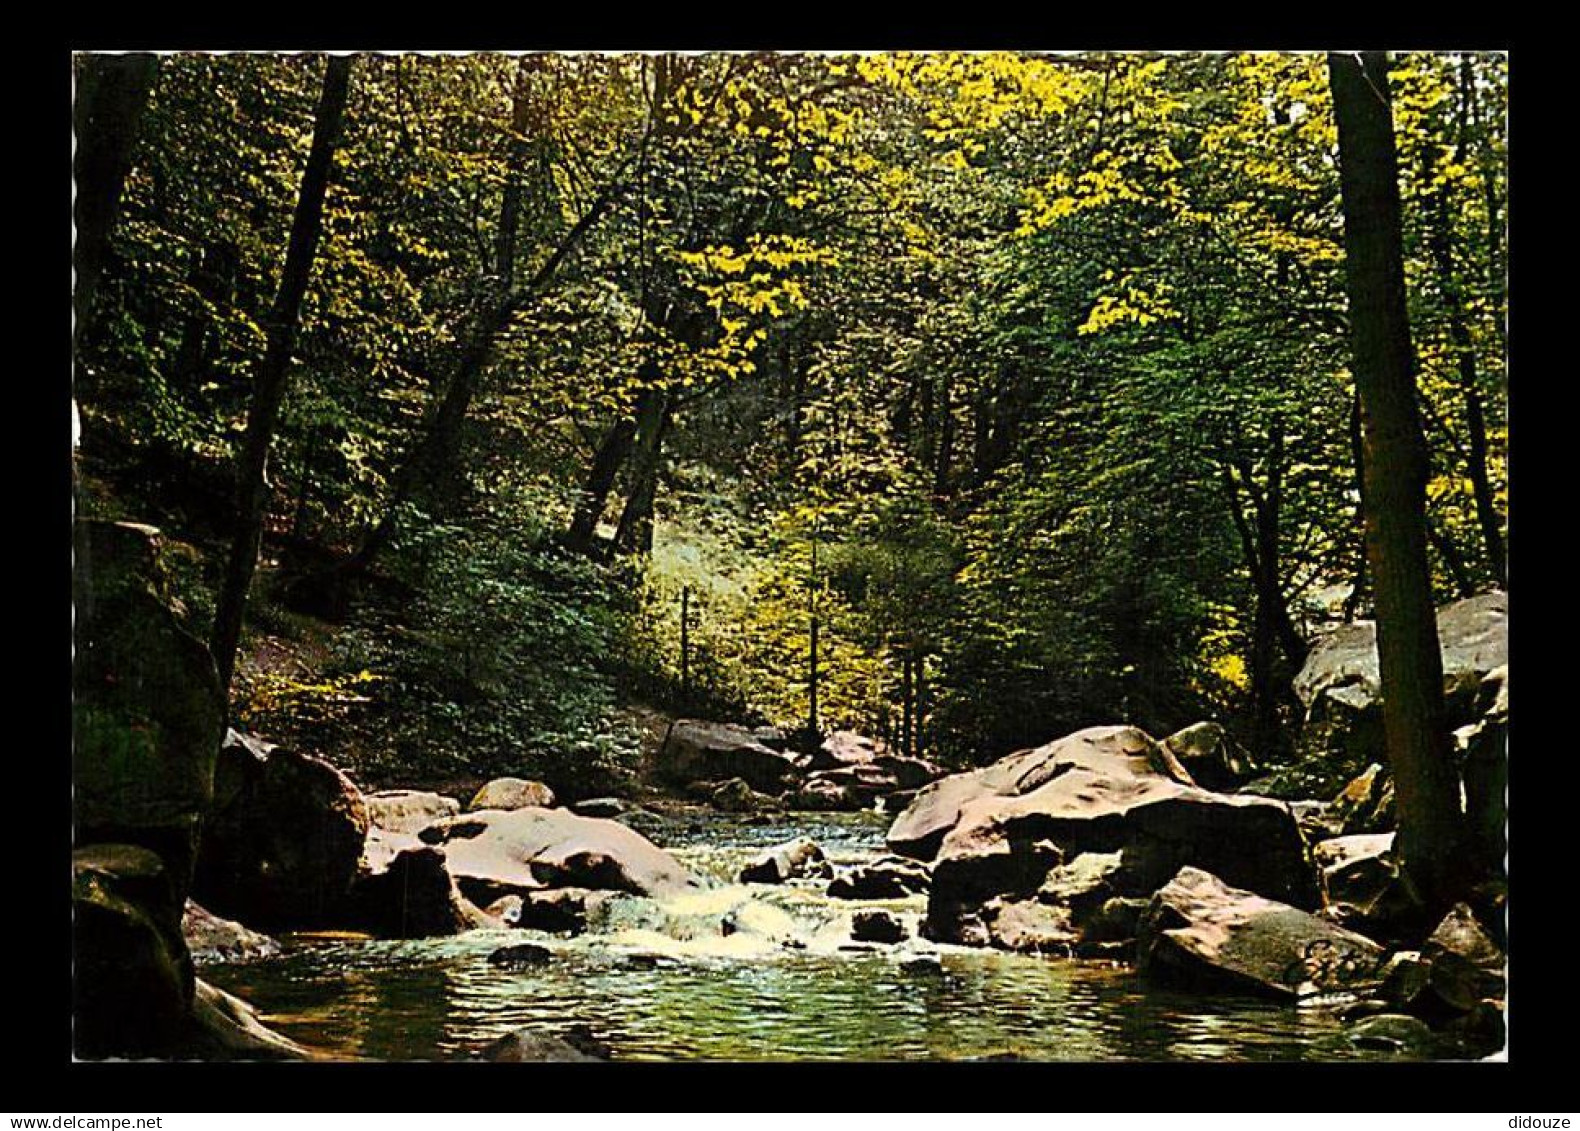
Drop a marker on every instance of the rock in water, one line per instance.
(522, 954)
(409, 810)
(132, 979)
(147, 710)
(888, 877)
(793, 860)
(283, 843)
(410, 894)
(920, 829)
(701, 751)
(877, 926)
(599, 807)
(210, 938)
(1200, 932)
(1100, 791)
(524, 1046)
(512, 793)
(735, 796)
(493, 853)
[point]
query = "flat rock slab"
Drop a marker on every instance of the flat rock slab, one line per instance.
(494, 852)
(1200, 932)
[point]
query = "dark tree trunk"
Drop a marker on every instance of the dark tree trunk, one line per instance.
(273, 373)
(607, 461)
(635, 531)
(1431, 834)
(112, 94)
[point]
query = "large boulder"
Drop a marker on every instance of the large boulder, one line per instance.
(512, 793)
(495, 852)
(147, 710)
(210, 938)
(410, 810)
(920, 829)
(1340, 684)
(1201, 933)
(405, 891)
(132, 980)
(284, 840)
(1100, 791)
(702, 751)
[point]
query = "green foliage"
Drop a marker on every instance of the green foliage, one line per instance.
(1041, 358)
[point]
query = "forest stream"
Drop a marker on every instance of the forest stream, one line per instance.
(650, 995)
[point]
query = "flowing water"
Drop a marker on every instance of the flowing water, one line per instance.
(659, 982)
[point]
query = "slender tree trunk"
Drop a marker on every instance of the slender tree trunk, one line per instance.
(112, 94)
(273, 373)
(635, 531)
(607, 461)
(1430, 838)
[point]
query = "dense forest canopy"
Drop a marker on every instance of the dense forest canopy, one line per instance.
(963, 399)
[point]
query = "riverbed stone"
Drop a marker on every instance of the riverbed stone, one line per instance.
(132, 978)
(525, 1046)
(560, 911)
(1125, 751)
(877, 925)
(606, 807)
(1101, 791)
(494, 852)
(735, 796)
(800, 858)
(512, 793)
(1201, 933)
(284, 840)
(521, 955)
(1393, 1032)
(888, 877)
(411, 895)
(210, 938)
(408, 810)
(696, 750)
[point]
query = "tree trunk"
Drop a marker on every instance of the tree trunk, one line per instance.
(1430, 836)
(635, 531)
(112, 94)
(607, 461)
(272, 377)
